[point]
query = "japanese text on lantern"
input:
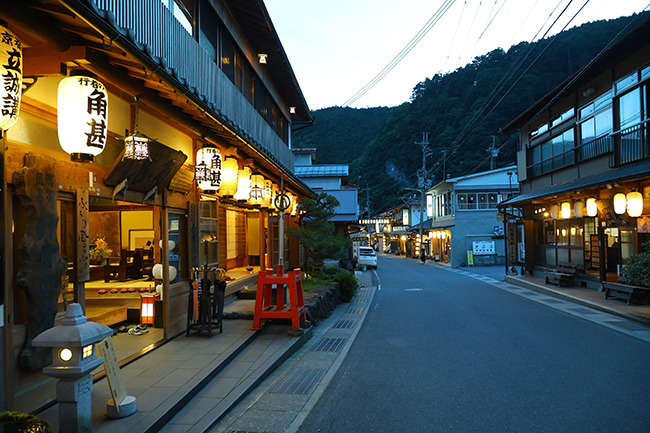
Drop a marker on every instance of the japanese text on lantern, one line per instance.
(97, 109)
(11, 72)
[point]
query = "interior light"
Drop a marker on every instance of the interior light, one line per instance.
(65, 354)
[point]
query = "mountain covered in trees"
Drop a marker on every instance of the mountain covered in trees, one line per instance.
(463, 111)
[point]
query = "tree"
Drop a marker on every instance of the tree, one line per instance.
(317, 234)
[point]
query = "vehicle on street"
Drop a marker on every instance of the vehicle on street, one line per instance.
(367, 257)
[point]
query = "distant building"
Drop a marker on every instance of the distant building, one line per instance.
(399, 236)
(331, 179)
(463, 212)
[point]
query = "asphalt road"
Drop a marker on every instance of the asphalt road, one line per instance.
(444, 352)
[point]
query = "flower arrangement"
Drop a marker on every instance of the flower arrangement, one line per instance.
(101, 250)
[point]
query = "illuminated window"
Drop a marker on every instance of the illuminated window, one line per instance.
(87, 351)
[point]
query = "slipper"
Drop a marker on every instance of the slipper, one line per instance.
(141, 328)
(114, 291)
(123, 328)
(124, 290)
(131, 290)
(143, 289)
(102, 291)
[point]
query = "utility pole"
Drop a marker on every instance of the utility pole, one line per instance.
(493, 153)
(422, 184)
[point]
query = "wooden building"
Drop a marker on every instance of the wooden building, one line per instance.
(584, 168)
(104, 223)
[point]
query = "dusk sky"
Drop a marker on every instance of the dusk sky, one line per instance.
(337, 47)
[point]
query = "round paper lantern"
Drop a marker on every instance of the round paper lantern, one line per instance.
(579, 209)
(592, 207)
(555, 211)
(566, 210)
(207, 171)
(634, 204)
(619, 203)
(82, 117)
(172, 273)
(229, 175)
(11, 75)
(243, 184)
(157, 271)
(268, 193)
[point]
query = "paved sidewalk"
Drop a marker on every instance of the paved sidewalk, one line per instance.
(283, 401)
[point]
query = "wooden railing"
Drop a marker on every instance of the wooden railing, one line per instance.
(165, 40)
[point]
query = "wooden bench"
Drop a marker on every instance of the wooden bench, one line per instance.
(632, 294)
(563, 275)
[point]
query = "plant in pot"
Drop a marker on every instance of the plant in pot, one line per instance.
(99, 254)
(637, 270)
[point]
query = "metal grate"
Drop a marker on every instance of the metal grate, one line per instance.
(330, 345)
(345, 324)
(356, 310)
(364, 294)
(629, 326)
(361, 301)
(299, 381)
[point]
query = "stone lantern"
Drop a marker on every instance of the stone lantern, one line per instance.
(74, 356)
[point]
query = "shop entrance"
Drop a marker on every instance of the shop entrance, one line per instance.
(124, 247)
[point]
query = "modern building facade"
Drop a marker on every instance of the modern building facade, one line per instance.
(583, 166)
(205, 87)
(465, 225)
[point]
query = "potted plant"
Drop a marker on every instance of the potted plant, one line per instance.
(99, 254)
(636, 271)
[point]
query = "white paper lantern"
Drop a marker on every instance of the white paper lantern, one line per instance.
(634, 204)
(157, 271)
(555, 211)
(11, 74)
(592, 207)
(579, 209)
(243, 184)
(229, 177)
(258, 190)
(619, 203)
(82, 117)
(208, 168)
(566, 210)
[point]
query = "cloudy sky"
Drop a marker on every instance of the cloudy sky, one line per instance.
(338, 47)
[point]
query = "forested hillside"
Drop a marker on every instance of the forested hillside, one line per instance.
(462, 110)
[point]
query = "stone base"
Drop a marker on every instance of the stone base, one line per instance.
(127, 408)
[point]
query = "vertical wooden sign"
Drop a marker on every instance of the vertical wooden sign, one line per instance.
(83, 241)
(113, 372)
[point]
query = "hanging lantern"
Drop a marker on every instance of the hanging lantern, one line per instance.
(555, 211)
(268, 194)
(566, 210)
(579, 209)
(275, 190)
(207, 171)
(573, 231)
(136, 146)
(82, 117)
(243, 184)
(258, 192)
(592, 207)
(634, 204)
(619, 203)
(11, 71)
(294, 205)
(229, 175)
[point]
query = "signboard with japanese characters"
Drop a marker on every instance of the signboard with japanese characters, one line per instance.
(483, 248)
(82, 117)
(11, 72)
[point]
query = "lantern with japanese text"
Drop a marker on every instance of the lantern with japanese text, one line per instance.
(258, 192)
(634, 204)
(208, 168)
(229, 175)
(243, 184)
(592, 207)
(11, 72)
(82, 117)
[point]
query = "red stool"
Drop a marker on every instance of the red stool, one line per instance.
(295, 311)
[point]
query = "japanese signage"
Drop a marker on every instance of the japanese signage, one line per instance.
(113, 372)
(82, 117)
(483, 248)
(83, 252)
(208, 168)
(11, 71)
